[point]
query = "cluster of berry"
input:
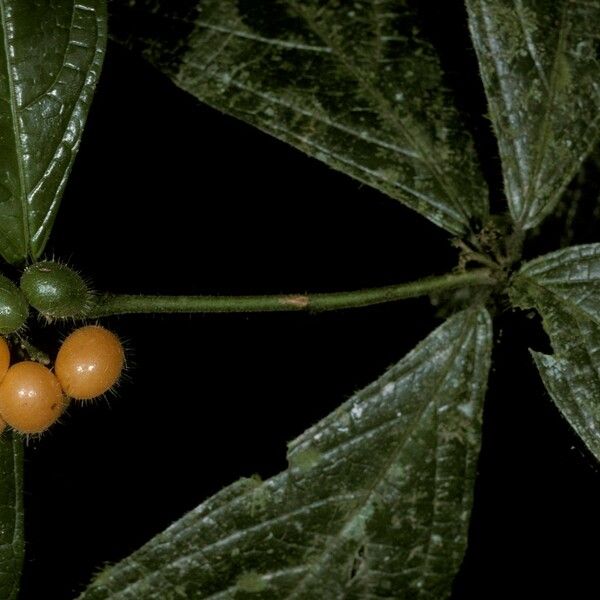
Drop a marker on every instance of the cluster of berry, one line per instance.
(32, 397)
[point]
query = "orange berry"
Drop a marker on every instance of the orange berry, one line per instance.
(31, 398)
(89, 362)
(4, 357)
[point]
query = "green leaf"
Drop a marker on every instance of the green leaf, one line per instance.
(541, 70)
(49, 64)
(574, 217)
(11, 515)
(355, 85)
(565, 288)
(375, 502)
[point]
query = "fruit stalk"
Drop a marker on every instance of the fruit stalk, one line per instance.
(113, 304)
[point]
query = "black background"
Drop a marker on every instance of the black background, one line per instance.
(170, 196)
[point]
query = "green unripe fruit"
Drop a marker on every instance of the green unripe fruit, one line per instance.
(55, 290)
(13, 306)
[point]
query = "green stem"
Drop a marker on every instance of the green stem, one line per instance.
(110, 304)
(32, 352)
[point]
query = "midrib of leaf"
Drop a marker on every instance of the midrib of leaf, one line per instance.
(530, 203)
(569, 306)
(85, 82)
(394, 456)
(501, 83)
(32, 238)
(262, 39)
(323, 119)
(239, 533)
(384, 106)
(530, 44)
(356, 515)
(6, 28)
(348, 161)
(448, 210)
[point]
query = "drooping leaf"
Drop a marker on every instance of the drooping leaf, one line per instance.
(565, 288)
(354, 85)
(49, 64)
(375, 502)
(11, 515)
(540, 66)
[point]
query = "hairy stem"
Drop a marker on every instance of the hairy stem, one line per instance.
(113, 304)
(32, 352)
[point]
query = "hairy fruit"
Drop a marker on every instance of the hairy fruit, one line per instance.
(89, 362)
(31, 398)
(55, 290)
(13, 306)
